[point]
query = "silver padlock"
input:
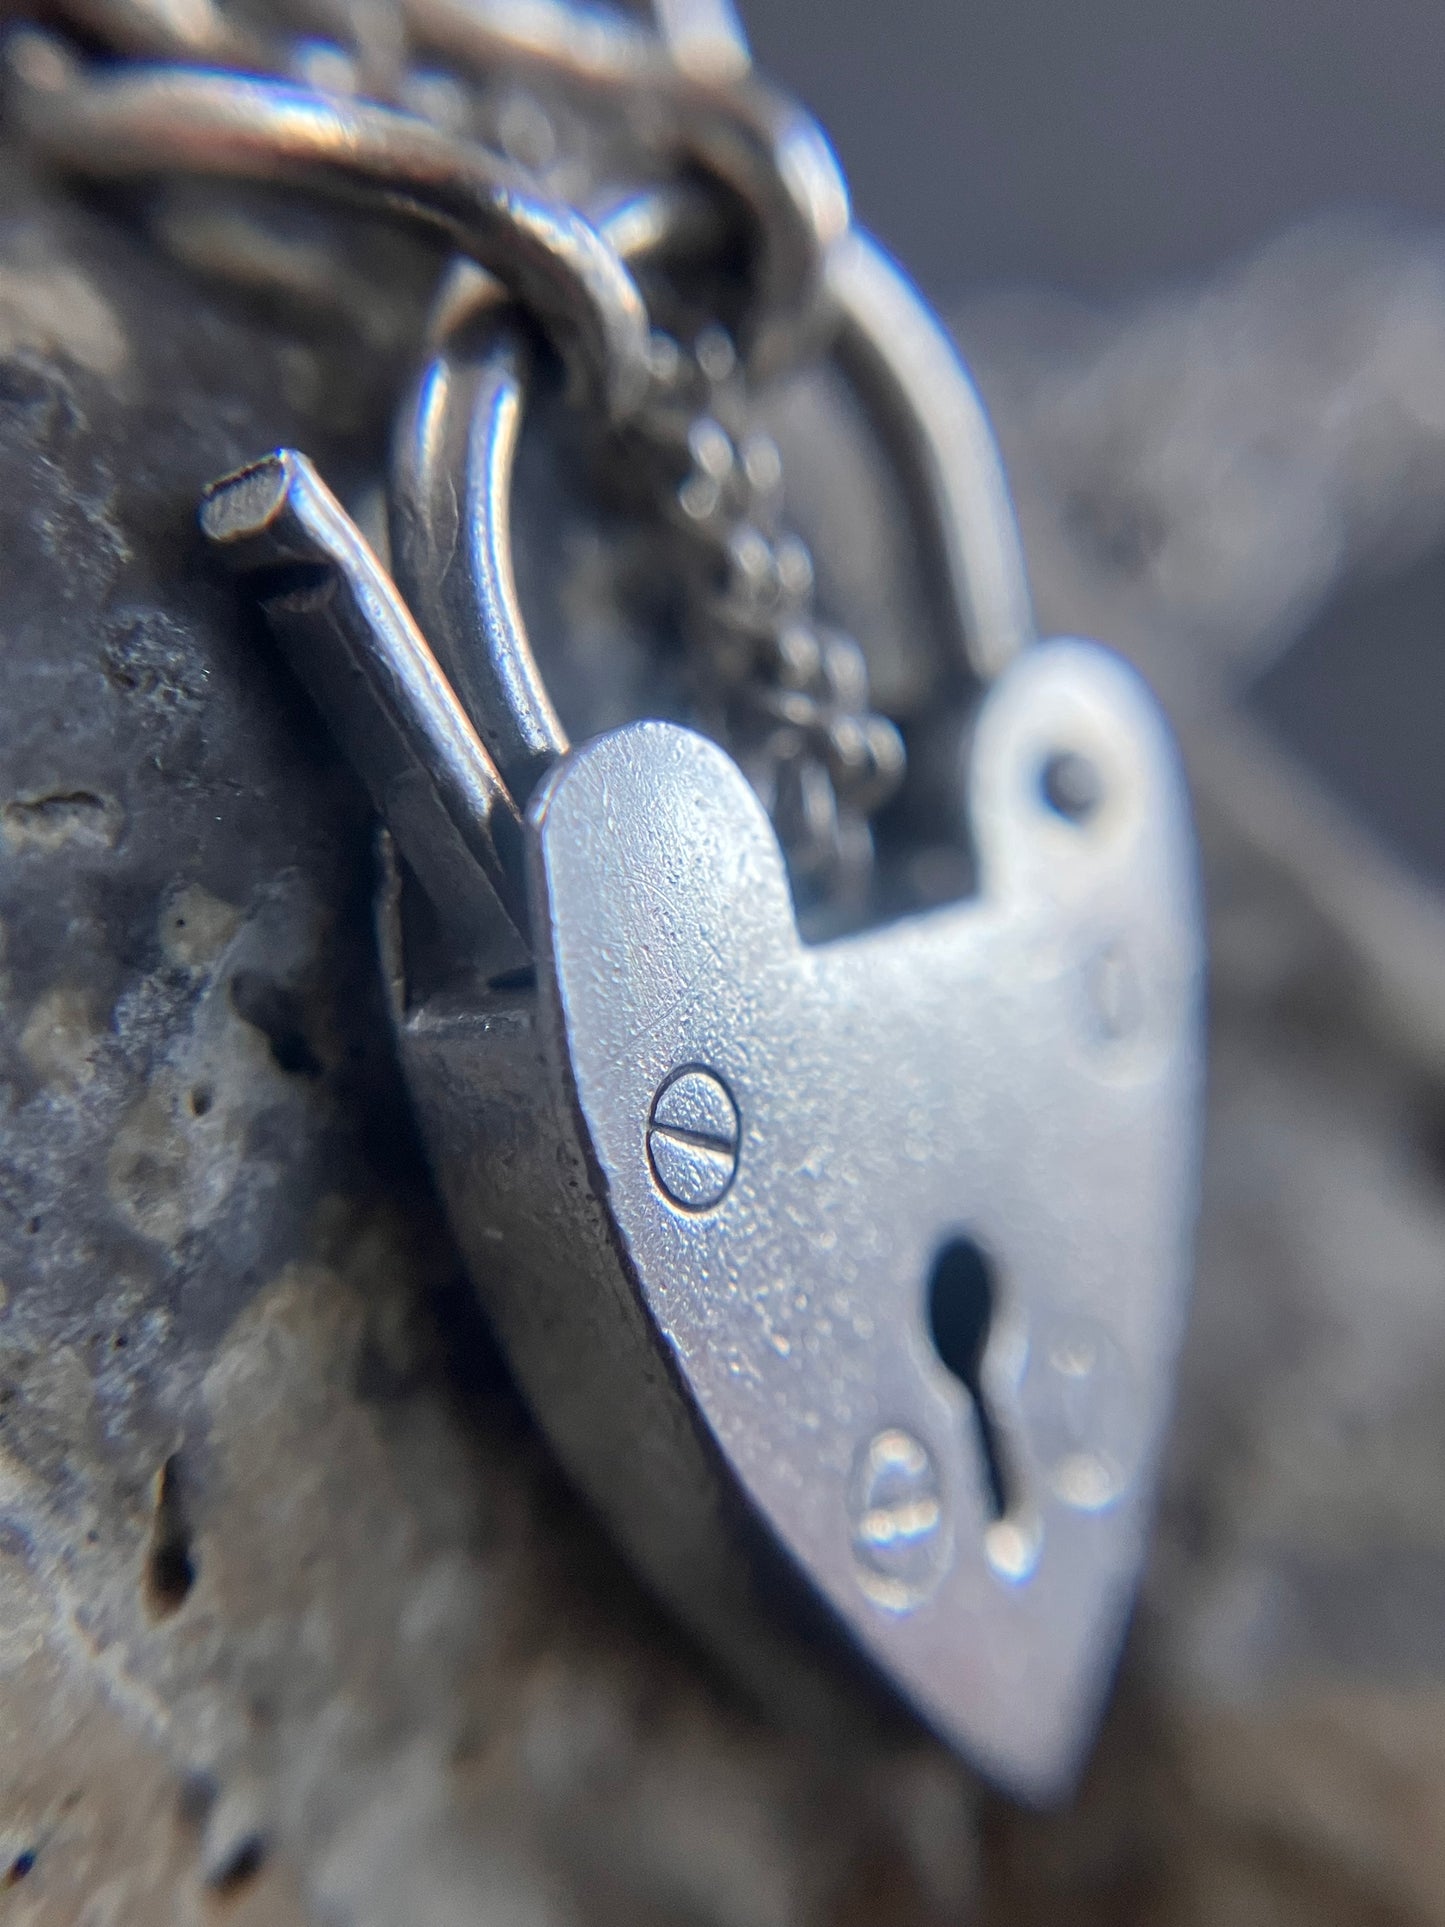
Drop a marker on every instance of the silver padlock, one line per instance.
(875, 1248)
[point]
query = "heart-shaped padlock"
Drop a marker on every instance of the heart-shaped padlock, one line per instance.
(878, 1244)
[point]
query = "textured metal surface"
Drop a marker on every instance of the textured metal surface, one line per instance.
(414, 1679)
(299, 1622)
(970, 1074)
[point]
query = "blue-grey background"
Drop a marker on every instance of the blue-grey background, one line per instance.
(1101, 145)
(1108, 149)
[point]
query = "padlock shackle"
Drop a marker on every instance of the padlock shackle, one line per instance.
(456, 448)
(450, 500)
(907, 366)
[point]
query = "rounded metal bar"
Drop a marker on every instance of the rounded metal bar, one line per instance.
(141, 122)
(451, 549)
(456, 446)
(705, 37)
(711, 115)
(159, 29)
(451, 493)
(899, 354)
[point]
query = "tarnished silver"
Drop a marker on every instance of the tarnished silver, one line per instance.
(871, 1251)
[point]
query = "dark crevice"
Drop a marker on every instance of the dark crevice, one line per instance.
(524, 979)
(170, 1570)
(295, 588)
(239, 1867)
(1071, 786)
(20, 1866)
(276, 1012)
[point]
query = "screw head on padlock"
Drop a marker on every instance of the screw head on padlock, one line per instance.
(871, 1252)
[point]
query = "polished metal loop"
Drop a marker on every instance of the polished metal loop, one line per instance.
(686, 91)
(141, 122)
(456, 447)
(689, 100)
(452, 484)
(906, 363)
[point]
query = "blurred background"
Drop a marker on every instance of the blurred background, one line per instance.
(1104, 148)
(1102, 154)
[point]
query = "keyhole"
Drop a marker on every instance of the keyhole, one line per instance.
(961, 1305)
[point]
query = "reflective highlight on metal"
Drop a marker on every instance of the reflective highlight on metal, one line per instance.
(880, 1242)
(452, 489)
(704, 37)
(897, 351)
(355, 646)
(706, 113)
(143, 122)
(456, 445)
(452, 551)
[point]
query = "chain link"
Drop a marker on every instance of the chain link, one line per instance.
(785, 693)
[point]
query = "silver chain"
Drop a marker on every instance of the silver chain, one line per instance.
(786, 694)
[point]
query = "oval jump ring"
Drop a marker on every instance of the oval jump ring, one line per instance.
(147, 121)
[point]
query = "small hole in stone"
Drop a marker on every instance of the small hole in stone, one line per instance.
(1071, 786)
(961, 1304)
(240, 1866)
(276, 1011)
(200, 1101)
(21, 1865)
(195, 1798)
(170, 1571)
(32, 1227)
